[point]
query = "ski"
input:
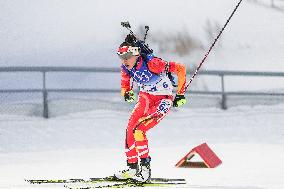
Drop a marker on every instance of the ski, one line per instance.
(90, 180)
(108, 182)
(155, 182)
(124, 185)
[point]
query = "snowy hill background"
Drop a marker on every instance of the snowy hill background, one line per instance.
(72, 33)
(248, 138)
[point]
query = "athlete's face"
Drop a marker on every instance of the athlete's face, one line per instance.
(130, 62)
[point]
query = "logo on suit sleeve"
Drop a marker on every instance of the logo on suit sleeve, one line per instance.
(142, 76)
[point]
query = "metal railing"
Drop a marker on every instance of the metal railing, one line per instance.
(44, 90)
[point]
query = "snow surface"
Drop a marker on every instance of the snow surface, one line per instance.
(249, 141)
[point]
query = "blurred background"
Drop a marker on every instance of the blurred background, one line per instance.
(58, 61)
(86, 34)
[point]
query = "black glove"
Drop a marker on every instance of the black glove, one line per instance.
(129, 96)
(179, 100)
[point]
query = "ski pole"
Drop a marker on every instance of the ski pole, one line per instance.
(211, 47)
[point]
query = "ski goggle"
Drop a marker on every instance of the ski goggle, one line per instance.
(126, 52)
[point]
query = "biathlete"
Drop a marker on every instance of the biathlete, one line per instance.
(154, 102)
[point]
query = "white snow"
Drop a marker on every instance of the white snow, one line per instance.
(249, 141)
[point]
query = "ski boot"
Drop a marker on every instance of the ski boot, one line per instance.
(127, 173)
(144, 173)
